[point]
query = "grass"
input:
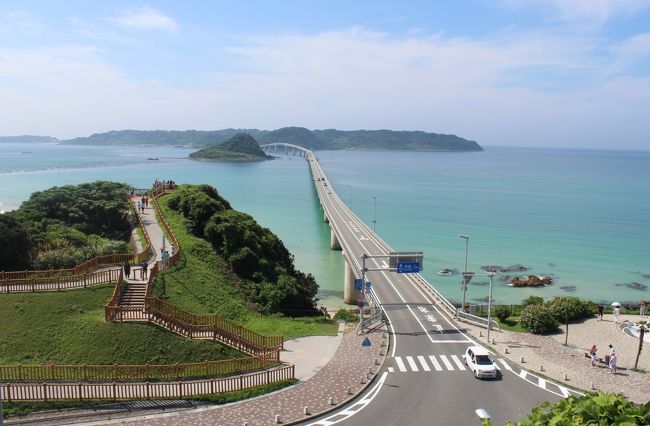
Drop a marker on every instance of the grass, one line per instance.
(68, 327)
(203, 282)
(512, 324)
(22, 408)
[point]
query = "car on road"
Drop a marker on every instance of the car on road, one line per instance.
(479, 360)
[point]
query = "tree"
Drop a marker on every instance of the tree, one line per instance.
(15, 245)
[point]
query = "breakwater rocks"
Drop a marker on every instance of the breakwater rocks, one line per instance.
(634, 286)
(503, 269)
(531, 281)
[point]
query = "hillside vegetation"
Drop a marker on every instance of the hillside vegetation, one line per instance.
(64, 226)
(68, 327)
(312, 139)
(241, 147)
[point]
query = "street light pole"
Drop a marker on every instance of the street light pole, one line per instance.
(374, 221)
(489, 318)
(464, 282)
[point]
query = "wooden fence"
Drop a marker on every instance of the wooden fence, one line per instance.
(59, 282)
(147, 390)
(175, 244)
(131, 373)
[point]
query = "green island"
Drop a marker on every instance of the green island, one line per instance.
(229, 265)
(328, 139)
(241, 147)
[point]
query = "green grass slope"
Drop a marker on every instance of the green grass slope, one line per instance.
(68, 327)
(203, 283)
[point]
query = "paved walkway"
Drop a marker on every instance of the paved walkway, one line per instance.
(557, 360)
(339, 379)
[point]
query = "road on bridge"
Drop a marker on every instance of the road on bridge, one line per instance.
(424, 381)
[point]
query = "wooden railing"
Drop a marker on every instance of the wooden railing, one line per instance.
(23, 275)
(175, 244)
(211, 326)
(127, 373)
(96, 262)
(59, 282)
(147, 251)
(121, 391)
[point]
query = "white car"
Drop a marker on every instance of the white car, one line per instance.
(479, 360)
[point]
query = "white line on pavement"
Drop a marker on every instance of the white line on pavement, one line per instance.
(400, 363)
(457, 362)
(412, 363)
(435, 363)
(424, 364)
(446, 362)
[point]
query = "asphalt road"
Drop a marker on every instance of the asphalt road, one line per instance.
(425, 381)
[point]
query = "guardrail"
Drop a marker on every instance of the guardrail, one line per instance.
(122, 391)
(58, 283)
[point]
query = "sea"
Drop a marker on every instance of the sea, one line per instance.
(581, 217)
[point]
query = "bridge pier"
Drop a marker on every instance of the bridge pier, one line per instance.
(334, 240)
(349, 294)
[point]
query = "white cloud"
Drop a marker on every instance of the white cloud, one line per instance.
(145, 18)
(349, 79)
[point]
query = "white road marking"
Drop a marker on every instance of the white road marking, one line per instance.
(412, 363)
(457, 362)
(438, 328)
(435, 363)
(400, 363)
(446, 362)
(542, 383)
(391, 370)
(564, 391)
(422, 309)
(505, 364)
(424, 364)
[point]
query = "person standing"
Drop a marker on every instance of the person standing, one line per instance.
(617, 312)
(127, 269)
(146, 201)
(642, 308)
(145, 265)
(592, 354)
(601, 309)
(612, 363)
(609, 355)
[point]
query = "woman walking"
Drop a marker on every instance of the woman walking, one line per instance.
(127, 269)
(592, 354)
(612, 363)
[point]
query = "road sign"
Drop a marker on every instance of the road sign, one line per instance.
(408, 267)
(404, 256)
(358, 284)
(366, 343)
(467, 277)
(361, 303)
(368, 286)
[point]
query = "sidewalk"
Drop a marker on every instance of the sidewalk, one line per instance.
(339, 379)
(557, 360)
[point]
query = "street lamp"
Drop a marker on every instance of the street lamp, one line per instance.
(489, 318)
(374, 221)
(466, 238)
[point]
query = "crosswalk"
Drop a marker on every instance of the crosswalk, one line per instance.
(435, 363)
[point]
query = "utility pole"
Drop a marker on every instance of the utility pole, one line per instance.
(374, 221)
(465, 281)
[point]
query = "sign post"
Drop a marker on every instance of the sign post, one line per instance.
(367, 344)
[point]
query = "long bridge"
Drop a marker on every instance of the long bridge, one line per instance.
(424, 381)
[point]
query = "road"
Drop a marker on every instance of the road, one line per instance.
(424, 381)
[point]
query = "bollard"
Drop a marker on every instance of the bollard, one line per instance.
(350, 391)
(480, 333)
(377, 361)
(381, 352)
(278, 419)
(592, 386)
(247, 424)
(521, 360)
(566, 376)
(306, 411)
(383, 343)
(494, 341)
(507, 351)
(541, 367)
(383, 335)
(331, 401)
(363, 380)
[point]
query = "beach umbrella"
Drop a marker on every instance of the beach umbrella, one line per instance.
(616, 305)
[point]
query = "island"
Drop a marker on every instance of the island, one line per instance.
(328, 139)
(241, 147)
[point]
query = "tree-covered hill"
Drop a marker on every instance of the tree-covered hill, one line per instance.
(312, 139)
(241, 147)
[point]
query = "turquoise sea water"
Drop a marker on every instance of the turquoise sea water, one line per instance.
(579, 216)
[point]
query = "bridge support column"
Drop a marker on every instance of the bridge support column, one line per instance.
(334, 240)
(325, 218)
(349, 294)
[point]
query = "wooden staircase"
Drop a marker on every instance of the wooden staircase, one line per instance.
(134, 294)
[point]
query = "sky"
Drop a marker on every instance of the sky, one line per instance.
(544, 73)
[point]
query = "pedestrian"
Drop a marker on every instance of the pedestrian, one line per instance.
(142, 208)
(617, 312)
(612, 363)
(139, 205)
(601, 309)
(146, 201)
(611, 352)
(145, 265)
(127, 269)
(592, 354)
(642, 308)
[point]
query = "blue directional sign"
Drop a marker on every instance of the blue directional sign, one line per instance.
(358, 284)
(408, 267)
(368, 285)
(366, 343)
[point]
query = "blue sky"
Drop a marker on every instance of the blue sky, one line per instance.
(561, 73)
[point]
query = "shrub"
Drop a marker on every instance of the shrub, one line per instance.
(533, 300)
(538, 319)
(502, 312)
(573, 307)
(346, 316)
